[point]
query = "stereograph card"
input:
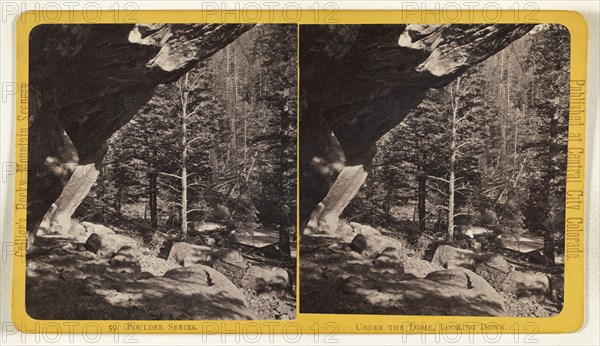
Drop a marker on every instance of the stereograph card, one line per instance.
(327, 172)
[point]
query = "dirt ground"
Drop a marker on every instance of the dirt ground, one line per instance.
(67, 281)
(336, 279)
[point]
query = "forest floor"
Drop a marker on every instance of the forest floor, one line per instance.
(335, 278)
(65, 280)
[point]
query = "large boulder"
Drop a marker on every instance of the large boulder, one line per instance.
(108, 244)
(373, 245)
(420, 267)
(390, 258)
(85, 229)
(203, 291)
(450, 257)
(186, 254)
(267, 280)
(472, 290)
(125, 261)
(344, 229)
(529, 285)
(363, 229)
(96, 228)
(351, 229)
(77, 229)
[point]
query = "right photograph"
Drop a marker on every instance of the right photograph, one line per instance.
(432, 169)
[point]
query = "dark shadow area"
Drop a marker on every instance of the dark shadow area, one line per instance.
(64, 282)
(338, 281)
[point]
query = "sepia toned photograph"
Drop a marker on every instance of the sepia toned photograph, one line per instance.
(433, 169)
(162, 172)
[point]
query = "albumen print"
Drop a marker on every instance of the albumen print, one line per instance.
(162, 172)
(433, 169)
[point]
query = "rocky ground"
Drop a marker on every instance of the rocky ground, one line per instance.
(96, 272)
(362, 270)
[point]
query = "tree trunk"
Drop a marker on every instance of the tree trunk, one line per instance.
(550, 176)
(119, 201)
(153, 199)
(184, 156)
(284, 232)
(549, 244)
(388, 202)
(171, 219)
(453, 150)
(422, 179)
(284, 240)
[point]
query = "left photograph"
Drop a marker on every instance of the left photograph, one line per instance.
(162, 172)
